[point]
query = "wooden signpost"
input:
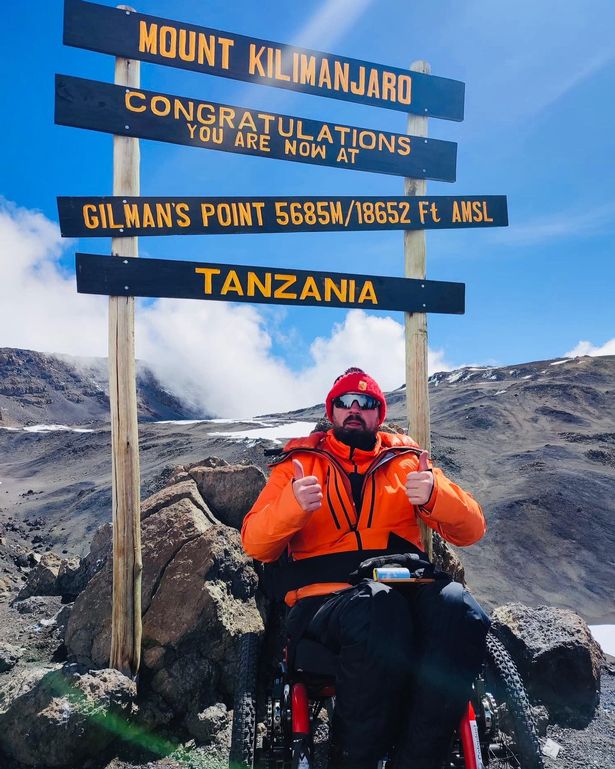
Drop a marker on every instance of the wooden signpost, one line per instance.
(128, 112)
(209, 125)
(132, 35)
(174, 279)
(126, 215)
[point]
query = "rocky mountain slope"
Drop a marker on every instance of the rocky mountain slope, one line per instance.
(37, 388)
(535, 443)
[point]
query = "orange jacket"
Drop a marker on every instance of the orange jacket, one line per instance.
(277, 523)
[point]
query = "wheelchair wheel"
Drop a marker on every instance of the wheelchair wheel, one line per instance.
(513, 741)
(243, 735)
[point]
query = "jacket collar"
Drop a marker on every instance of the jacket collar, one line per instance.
(343, 451)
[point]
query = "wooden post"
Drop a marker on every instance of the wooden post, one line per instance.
(417, 395)
(127, 566)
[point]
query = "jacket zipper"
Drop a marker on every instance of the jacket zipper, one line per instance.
(378, 462)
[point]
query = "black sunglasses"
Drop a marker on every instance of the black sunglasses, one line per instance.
(365, 402)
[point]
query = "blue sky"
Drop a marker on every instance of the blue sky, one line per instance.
(538, 128)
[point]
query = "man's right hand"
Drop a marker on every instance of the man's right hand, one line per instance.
(307, 489)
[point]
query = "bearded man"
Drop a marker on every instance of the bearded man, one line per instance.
(406, 660)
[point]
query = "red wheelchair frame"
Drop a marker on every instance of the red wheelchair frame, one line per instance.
(495, 725)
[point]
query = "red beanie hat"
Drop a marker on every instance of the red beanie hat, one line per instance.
(355, 380)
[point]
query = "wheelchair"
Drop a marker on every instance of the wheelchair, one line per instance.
(282, 712)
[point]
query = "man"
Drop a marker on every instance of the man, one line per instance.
(407, 659)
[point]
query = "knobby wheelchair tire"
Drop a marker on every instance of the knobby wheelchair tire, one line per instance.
(243, 735)
(523, 746)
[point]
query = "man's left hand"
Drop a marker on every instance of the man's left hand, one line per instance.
(419, 483)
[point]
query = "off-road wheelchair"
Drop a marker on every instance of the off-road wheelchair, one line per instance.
(282, 712)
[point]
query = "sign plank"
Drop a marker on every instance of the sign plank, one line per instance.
(127, 216)
(183, 120)
(225, 54)
(116, 276)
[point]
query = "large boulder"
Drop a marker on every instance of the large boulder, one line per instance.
(198, 596)
(42, 578)
(557, 658)
(230, 490)
(62, 717)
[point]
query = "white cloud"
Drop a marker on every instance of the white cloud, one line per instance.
(587, 348)
(217, 355)
(39, 307)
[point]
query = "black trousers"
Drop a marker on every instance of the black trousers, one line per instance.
(406, 662)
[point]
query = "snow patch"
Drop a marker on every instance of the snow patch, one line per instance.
(56, 428)
(605, 636)
(558, 362)
(275, 433)
(499, 392)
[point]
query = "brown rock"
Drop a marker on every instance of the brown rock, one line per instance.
(198, 595)
(557, 657)
(62, 717)
(42, 579)
(230, 491)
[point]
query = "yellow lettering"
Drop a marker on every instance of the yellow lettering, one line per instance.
(246, 121)
(466, 211)
(227, 115)
(254, 62)
(340, 292)
(456, 212)
(163, 215)
(232, 283)
(307, 69)
(325, 75)
(279, 74)
(287, 280)
(388, 86)
(477, 209)
(208, 273)
(182, 211)
(207, 49)
(404, 89)
(168, 42)
(341, 76)
(254, 282)
(90, 219)
(310, 289)
(128, 101)
(187, 45)
(207, 210)
(325, 134)
(403, 145)
(160, 111)
(148, 38)
(131, 215)
(373, 84)
(368, 293)
(358, 87)
(226, 44)
(148, 218)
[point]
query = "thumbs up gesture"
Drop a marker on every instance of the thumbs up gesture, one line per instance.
(419, 483)
(307, 489)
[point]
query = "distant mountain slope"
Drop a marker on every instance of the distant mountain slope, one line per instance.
(535, 444)
(39, 388)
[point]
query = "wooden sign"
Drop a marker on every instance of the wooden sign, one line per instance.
(183, 120)
(119, 276)
(123, 216)
(211, 51)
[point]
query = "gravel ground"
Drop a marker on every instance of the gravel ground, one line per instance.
(593, 747)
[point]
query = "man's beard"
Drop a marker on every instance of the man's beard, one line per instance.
(356, 438)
